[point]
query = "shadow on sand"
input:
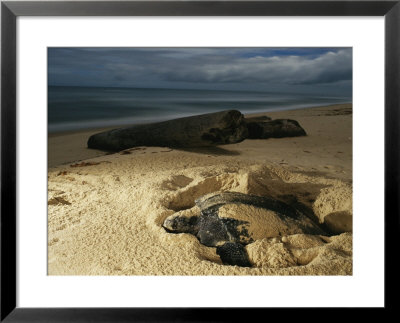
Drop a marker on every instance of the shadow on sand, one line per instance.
(215, 151)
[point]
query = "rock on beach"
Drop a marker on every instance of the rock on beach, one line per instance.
(225, 127)
(278, 128)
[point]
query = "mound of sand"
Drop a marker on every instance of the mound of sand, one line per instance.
(106, 219)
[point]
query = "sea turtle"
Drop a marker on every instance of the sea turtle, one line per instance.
(231, 220)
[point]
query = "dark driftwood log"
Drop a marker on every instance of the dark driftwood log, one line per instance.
(278, 128)
(225, 127)
(257, 119)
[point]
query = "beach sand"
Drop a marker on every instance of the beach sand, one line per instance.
(105, 214)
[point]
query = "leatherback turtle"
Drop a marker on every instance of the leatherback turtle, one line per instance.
(230, 220)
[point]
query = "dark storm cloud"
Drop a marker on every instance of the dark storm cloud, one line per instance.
(232, 68)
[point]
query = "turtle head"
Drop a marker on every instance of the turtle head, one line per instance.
(181, 224)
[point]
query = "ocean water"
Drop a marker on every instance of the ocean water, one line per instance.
(75, 108)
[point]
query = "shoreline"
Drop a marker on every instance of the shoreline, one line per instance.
(70, 146)
(105, 128)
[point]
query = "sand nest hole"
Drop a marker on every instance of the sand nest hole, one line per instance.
(269, 238)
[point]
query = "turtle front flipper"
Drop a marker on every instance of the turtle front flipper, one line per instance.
(232, 253)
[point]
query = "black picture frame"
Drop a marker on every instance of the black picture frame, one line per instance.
(10, 10)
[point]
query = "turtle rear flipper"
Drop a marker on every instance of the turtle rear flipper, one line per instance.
(232, 253)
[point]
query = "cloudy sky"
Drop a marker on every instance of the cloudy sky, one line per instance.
(313, 70)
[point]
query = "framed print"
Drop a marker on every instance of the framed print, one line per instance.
(193, 151)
